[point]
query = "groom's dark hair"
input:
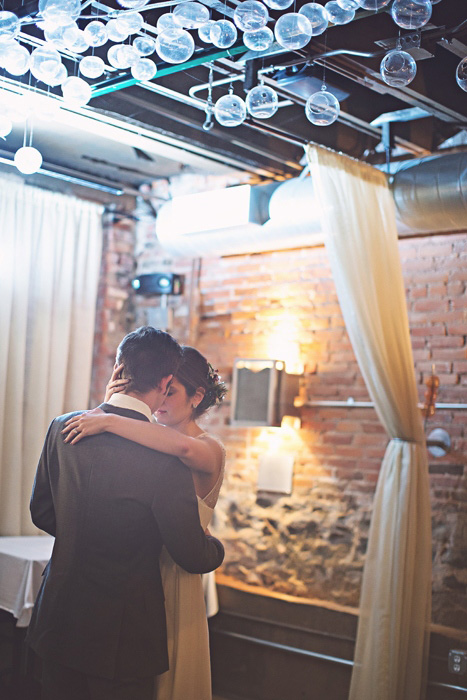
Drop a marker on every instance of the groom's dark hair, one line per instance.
(148, 355)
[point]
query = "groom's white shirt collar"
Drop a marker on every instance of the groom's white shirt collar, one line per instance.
(130, 402)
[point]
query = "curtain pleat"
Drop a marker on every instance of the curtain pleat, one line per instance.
(51, 247)
(358, 220)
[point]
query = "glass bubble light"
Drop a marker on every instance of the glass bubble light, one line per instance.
(59, 12)
(74, 39)
(166, 21)
(223, 34)
(59, 78)
(55, 34)
(337, 14)
(260, 40)
(28, 160)
(398, 68)
(251, 15)
(96, 33)
(279, 4)
(15, 58)
(9, 26)
(262, 102)
(114, 32)
(322, 108)
(204, 32)
(373, 4)
(349, 4)
(175, 45)
(293, 31)
(132, 4)
(45, 62)
(91, 66)
(190, 15)
(129, 22)
(317, 16)
(145, 69)
(76, 92)
(230, 110)
(122, 56)
(411, 14)
(461, 74)
(145, 45)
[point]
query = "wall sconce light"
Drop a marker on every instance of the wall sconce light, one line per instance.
(158, 283)
(262, 393)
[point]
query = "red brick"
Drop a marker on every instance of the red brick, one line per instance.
(436, 251)
(445, 342)
(437, 330)
(459, 329)
(431, 305)
(418, 292)
(455, 289)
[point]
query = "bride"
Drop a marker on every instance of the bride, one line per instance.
(195, 388)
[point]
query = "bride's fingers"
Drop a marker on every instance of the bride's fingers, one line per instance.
(116, 372)
(70, 425)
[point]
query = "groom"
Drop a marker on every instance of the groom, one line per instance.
(99, 619)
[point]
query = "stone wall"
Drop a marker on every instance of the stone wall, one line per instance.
(283, 305)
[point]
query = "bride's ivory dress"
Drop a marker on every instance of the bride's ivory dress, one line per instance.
(189, 674)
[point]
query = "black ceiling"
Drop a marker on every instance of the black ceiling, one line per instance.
(274, 147)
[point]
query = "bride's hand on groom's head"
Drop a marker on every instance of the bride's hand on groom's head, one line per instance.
(116, 383)
(84, 425)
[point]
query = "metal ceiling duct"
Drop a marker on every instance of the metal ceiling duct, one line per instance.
(430, 197)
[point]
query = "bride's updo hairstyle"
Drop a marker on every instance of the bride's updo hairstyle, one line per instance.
(195, 372)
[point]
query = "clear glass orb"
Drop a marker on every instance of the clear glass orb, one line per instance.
(251, 15)
(59, 12)
(166, 21)
(349, 4)
(373, 4)
(204, 32)
(398, 68)
(59, 78)
(223, 34)
(461, 74)
(190, 15)
(262, 102)
(145, 45)
(9, 26)
(76, 92)
(322, 108)
(260, 40)
(122, 56)
(114, 32)
(292, 31)
(44, 62)
(175, 45)
(15, 58)
(129, 22)
(6, 126)
(145, 69)
(230, 110)
(337, 14)
(132, 4)
(96, 33)
(91, 66)
(317, 17)
(55, 34)
(28, 160)
(74, 39)
(279, 4)
(411, 14)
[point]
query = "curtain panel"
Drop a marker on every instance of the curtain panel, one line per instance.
(359, 225)
(50, 254)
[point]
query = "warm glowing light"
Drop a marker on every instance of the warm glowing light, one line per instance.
(291, 422)
(283, 343)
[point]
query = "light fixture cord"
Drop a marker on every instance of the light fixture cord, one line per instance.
(208, 123)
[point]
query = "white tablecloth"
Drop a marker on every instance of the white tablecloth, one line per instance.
(22, 561)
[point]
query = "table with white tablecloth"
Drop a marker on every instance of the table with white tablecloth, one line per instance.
(22, 561)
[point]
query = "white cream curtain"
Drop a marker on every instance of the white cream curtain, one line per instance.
(358, 221)
(50, 253)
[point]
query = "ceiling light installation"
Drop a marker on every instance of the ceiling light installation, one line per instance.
(67, 45)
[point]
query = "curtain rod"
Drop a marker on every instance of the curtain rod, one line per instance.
(350, 403)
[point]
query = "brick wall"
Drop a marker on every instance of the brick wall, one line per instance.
(284, 305)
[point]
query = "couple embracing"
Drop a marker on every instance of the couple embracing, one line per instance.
(120, 614)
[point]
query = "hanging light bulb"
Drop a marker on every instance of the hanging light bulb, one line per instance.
(398, 68)
(96, 33)
(175, 45)
(262, 102)
(76, 92)
(279, 4)
(251, 15)
(260, 40)
(166, 21)
(337, 14)
(91, 66)
(322, 108)
(122, 56)
(9, 26)
(373, 4)
(204, 32)
(145, 45)
(15, 58)
(292, 31)
(461, 74)
(132, 4)
(317, 16)
(190, 15)
(223, 34)
(129, 22)
(349, 4)
(411, 14)
(28, 160)
(59, 12)
(230, 110)
(115, 33)
(44, 63)
(145, 69)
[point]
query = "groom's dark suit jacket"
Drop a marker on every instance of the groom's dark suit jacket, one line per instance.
(111, 504)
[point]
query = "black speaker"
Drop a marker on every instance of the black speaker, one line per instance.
(158, 283)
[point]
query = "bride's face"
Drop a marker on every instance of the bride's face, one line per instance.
(176, 408)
